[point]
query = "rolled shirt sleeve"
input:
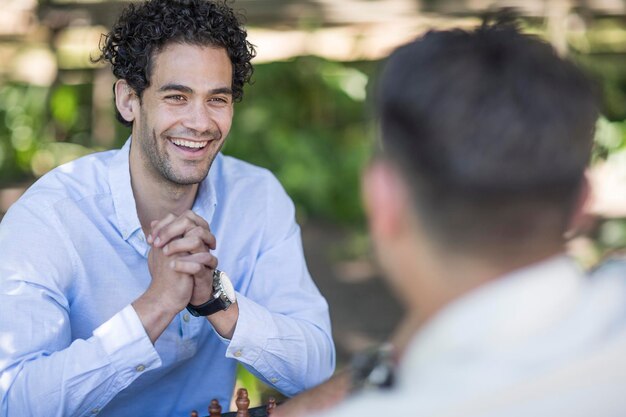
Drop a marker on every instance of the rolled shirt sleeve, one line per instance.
(82, 378)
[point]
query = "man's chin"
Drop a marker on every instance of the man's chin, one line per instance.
(185, 172)
(188, 180)
(183, 178)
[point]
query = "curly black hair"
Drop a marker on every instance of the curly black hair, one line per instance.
(143, 30)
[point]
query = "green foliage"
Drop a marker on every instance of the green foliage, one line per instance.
(22, 118)
(305, 121)
(64, 106)
(610, 139)
(43, 128)
(608, 70)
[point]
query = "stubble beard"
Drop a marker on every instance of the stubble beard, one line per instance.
(160, 163)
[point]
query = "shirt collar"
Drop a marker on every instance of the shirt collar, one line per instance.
(122, 192)
(207, 197)
(124, 200)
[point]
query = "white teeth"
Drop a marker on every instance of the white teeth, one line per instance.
(189, 144)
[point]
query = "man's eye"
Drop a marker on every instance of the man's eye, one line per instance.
(175, 97)
(220, 100)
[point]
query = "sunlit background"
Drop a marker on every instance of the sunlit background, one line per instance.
(306, 116)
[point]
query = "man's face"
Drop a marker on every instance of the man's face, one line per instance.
(185, 114)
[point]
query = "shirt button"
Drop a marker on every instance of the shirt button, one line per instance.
(141, 238)
(186, 317)
(274, 380)
(140, 368)
(238, 354)
(95, 411)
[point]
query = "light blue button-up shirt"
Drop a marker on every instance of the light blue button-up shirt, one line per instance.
(73, 257)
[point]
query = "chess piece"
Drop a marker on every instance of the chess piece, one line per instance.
(194, 413)
(271, 405)
(215, 409)
(243, 403)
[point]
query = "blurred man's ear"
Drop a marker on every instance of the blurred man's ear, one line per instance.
(386, 200)
(126, 100)
(582, 219)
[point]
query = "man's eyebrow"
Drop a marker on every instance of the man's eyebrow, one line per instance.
(222, 90)
(176, 87)
(189, 90)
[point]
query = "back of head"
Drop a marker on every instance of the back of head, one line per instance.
(492, 130)
(144, 29)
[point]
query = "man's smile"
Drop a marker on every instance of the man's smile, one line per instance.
(188, 143)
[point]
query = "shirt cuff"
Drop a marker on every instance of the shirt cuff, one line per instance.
(127, 344)
(253, 329)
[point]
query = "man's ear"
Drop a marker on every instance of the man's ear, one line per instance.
(386, 200)
(582, 220)
(126, 100)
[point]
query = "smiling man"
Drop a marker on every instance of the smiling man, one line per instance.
(111, 302)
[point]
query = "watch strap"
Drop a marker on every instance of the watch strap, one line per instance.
(212, 306)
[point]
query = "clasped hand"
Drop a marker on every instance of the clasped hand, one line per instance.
(180, 260)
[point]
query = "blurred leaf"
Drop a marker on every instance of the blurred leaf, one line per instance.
(64, 105)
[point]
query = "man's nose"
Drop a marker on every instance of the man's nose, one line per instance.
(199, 118)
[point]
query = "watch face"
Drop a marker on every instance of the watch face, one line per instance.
(227, 286)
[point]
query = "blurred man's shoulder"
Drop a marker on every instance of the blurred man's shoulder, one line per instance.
(613, 268)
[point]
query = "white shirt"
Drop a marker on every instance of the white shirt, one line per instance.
(543, 341)
(73, 257)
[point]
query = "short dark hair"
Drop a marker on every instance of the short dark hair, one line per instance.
(143, 30)
(492, 130)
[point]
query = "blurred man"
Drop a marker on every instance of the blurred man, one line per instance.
(110, 299)
(485, 138)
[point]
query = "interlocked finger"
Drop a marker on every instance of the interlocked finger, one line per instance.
(205, 234)
(157, 225)
(188, 245)
(172, 227)
(195, 263)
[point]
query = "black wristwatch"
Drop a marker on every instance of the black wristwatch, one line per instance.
(223, 296)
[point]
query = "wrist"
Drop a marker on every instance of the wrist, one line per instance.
(222, 296)
(225, 322)
(201, 296)
(153, 315)
(161, 303)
